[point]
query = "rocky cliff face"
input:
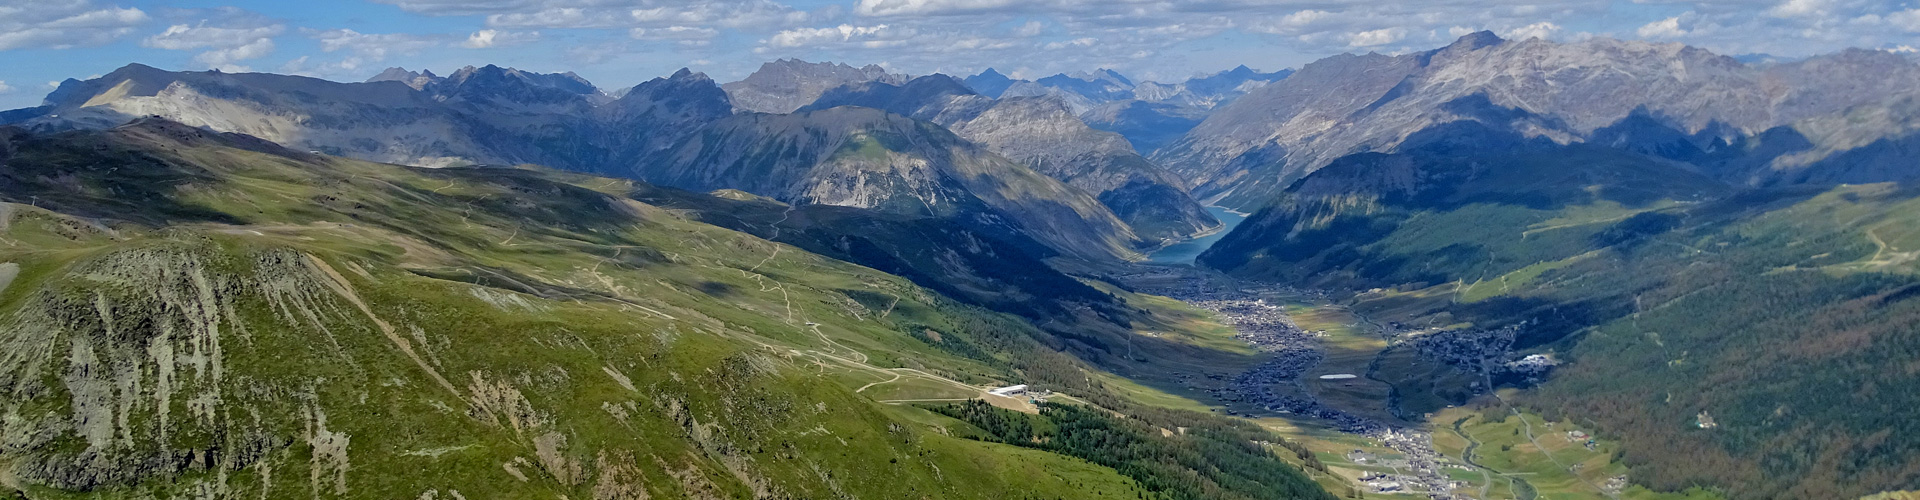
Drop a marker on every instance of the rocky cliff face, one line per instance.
(1255, 146)
(785, 85)
(868, 158)
(1043, 134)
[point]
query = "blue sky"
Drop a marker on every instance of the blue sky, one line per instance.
(618, 43)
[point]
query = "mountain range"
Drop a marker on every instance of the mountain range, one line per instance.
(541, 278)
(1779, 119)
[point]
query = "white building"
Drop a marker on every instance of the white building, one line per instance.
(1009, 390)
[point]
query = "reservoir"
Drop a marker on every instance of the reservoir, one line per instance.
(1184, 252)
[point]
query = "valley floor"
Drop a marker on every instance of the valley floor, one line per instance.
(1321, 381)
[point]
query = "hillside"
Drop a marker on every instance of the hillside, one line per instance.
(194, 313)
(1776, 316)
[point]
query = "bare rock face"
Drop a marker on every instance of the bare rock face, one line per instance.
(1251, 148)
(868, 158)
(785, 85)
(1042, 133)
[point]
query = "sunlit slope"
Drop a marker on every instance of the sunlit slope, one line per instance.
(287, 326)
(1784, 315)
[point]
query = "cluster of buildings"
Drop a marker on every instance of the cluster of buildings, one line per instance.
(1294, 351)
(1424, 469)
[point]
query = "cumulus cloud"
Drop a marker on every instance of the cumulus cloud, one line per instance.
(358, 51)
(600, 14)
(1542, 30)
(64, 24)
(1375, 38)
(931, 7)
(684, 35)
(1030, 29)
(1906, 20)
(495, 38)
(4, 88)
(1664, 28)
(227, 46)
(843, 33)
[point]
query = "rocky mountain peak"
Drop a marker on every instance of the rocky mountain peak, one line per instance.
(1475, 40)
(417, 79)
(989, 83)
(784, 85)
(685, 94)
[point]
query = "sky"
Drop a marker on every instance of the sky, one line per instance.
(619, 43)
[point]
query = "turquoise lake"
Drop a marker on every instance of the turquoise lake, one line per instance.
(1185, 251)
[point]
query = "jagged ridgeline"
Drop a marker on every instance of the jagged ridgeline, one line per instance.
(185, 313)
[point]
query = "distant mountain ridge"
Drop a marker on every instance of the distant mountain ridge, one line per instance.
(1248, 150)
(1041, 133)
(785, 85)
(1149, 114)
(869, 158)
(1085, 91)
(495, 115)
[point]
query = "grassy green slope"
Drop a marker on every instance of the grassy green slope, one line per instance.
(264, 323)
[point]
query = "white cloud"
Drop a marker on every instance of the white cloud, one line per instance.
(1031, 29)
(1376, 38)
(495, 38)
(1293, 23)
(1801, 9)
(64, 24)
(1542, 30)
(684, 35)
(373, 46)
(929, 7)
(802, 37)
(1077, 42)
(4, 88)
(228, 46)
(603, 14)
(1664, 28)
(359, 51)
(1906, 20)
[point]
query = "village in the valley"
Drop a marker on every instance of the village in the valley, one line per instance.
(1277, 385)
